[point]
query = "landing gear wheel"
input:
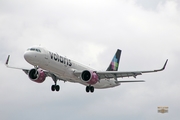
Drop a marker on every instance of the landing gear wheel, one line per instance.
(91, 89)
(87, 88)
(53, 87)
(57, 88)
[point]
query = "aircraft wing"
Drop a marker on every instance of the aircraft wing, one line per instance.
(118, 74)
(49, 74)
(7, 65)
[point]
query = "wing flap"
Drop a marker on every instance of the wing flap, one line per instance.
(117, 74)
(129, 81)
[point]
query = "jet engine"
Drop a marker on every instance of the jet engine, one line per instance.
(37, 75)
(89, 77)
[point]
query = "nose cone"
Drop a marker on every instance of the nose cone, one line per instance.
(31, 57)
(27, 56)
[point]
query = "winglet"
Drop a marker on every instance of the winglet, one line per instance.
(7, 61)
(162, 67)
(165, 65)
(157, 69)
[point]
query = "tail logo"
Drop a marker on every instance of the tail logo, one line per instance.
(114, 64)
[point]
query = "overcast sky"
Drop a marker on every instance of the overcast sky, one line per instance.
(90, 31)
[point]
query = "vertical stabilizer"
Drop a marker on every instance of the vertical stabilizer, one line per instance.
(115, 62)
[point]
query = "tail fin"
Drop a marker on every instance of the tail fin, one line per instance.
(115, 62)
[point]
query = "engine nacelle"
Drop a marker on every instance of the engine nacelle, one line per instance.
(37, 75)
(89, 77)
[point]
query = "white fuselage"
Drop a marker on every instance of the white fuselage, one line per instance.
(62, 67)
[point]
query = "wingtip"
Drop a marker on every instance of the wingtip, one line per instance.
(166, 60)
(119, 50)
(7, 61)
(162, 67)
(165, 64)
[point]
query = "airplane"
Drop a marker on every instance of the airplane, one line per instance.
(50, 64)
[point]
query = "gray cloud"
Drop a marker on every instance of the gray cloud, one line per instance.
(150, 4)
(153, 4)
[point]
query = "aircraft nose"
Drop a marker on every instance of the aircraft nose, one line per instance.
(27, 56)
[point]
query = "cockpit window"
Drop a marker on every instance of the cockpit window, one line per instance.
(34, 49)
(38, 50)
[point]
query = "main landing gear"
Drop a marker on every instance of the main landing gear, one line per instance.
(55, 86)
(89, 89)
